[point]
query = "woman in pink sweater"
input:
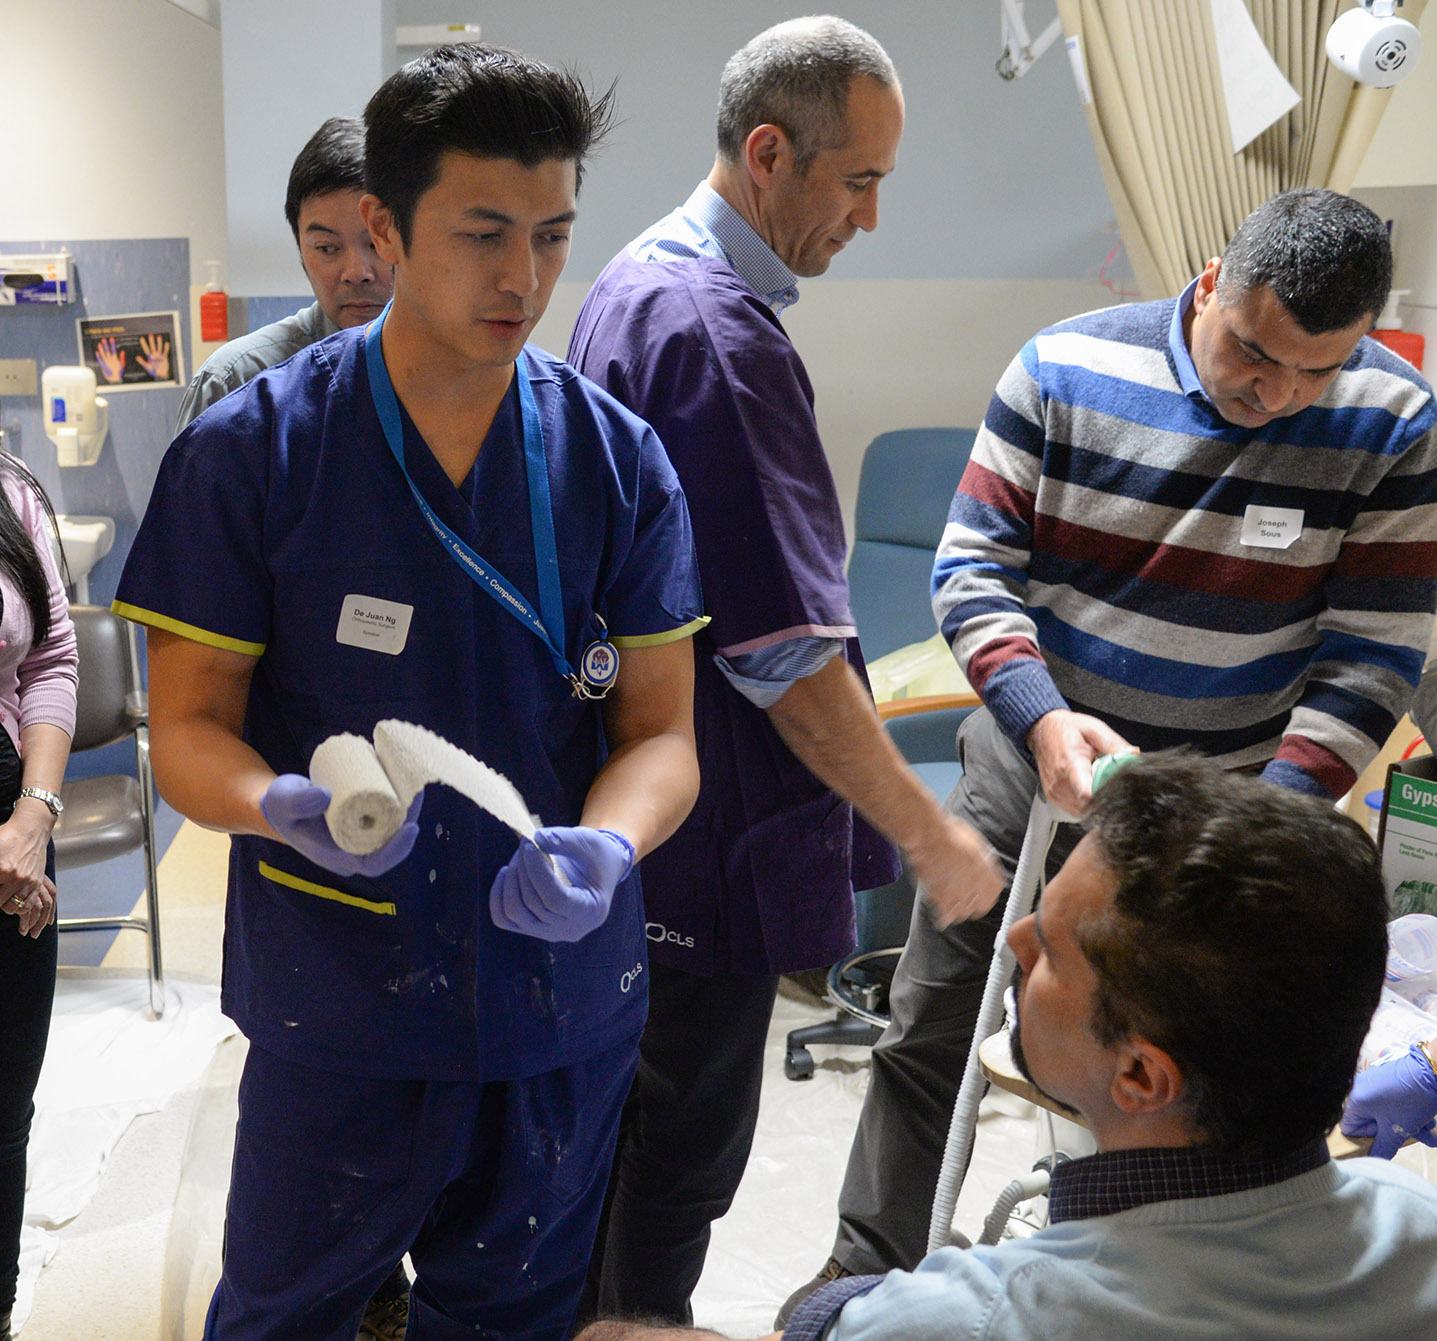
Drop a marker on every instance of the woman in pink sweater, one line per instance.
(37, 714)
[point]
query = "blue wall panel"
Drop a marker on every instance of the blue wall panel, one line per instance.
(261, 311)
(115, 277)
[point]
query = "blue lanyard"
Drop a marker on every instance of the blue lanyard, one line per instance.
(486, 577)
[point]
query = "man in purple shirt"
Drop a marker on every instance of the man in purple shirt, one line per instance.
(683, 327)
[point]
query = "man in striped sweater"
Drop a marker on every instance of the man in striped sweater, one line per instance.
(1210, 520)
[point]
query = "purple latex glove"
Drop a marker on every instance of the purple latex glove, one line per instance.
(295, 806)
(532, 897)
(1393, 1101)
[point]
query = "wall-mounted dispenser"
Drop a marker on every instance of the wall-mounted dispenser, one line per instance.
(76, 419)
(37, 277)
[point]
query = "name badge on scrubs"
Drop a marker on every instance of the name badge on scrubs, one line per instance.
(379, 626)
(1271, 528)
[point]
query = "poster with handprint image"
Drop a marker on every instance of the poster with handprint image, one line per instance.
(132, 353)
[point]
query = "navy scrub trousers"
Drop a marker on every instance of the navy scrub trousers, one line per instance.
(493, 1189)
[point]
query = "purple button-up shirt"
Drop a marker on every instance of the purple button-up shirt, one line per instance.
(683, 331)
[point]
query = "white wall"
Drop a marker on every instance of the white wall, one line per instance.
(1398, 179)
(995, 180)
(289, 65)
(111, 124)
(995, 223)
(1413, 211)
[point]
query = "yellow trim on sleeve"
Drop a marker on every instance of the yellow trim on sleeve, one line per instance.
(142, 616)
(279, 877)
(667, 636)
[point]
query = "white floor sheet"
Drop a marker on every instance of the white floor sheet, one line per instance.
(107, 1062)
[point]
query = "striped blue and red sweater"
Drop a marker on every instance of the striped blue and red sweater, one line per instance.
(1093, 556)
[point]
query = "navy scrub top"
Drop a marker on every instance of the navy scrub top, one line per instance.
(276, 508)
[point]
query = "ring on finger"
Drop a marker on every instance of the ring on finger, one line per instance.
(18, 900)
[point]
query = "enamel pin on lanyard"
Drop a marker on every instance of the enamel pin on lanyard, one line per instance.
(599, 666)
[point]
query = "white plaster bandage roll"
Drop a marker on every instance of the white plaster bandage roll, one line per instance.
(414, 756)
(371, 786)
(364, 811)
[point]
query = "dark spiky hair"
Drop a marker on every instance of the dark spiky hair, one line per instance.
(478, 100)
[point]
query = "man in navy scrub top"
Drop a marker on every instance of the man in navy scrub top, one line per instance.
(683, 327)
(427, 520)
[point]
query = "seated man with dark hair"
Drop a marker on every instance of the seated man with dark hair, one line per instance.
(1195, 985)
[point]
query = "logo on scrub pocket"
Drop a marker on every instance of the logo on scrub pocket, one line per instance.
(661, 935)
(630, 978)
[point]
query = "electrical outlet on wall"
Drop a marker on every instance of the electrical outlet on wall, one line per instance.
(17, 378)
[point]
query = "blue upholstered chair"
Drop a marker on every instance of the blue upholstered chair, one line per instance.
(904, 490)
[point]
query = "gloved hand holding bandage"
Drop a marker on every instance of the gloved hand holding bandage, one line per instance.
(372, 791)
(565, 896)
(295, 807)
(370, 794)
(1393, 1101)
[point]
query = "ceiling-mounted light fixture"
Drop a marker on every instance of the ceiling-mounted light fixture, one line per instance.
(1372, 45)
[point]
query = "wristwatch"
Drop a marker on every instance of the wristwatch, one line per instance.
(57, 806)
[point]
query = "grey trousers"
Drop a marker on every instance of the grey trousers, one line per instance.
(887, 1195)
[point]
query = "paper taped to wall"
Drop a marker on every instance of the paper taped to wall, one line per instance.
(371, 786)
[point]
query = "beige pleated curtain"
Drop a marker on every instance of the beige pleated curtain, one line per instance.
(1159, 123)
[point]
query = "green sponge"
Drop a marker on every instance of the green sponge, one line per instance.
(1106, 766)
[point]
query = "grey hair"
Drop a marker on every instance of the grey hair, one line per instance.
(1326, 257)
(796, 75)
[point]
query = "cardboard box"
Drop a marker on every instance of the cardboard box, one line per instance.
(1407, 836)
(1373, 778)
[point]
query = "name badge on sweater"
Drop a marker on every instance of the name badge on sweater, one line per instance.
(380, 626)
(1271, 528)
